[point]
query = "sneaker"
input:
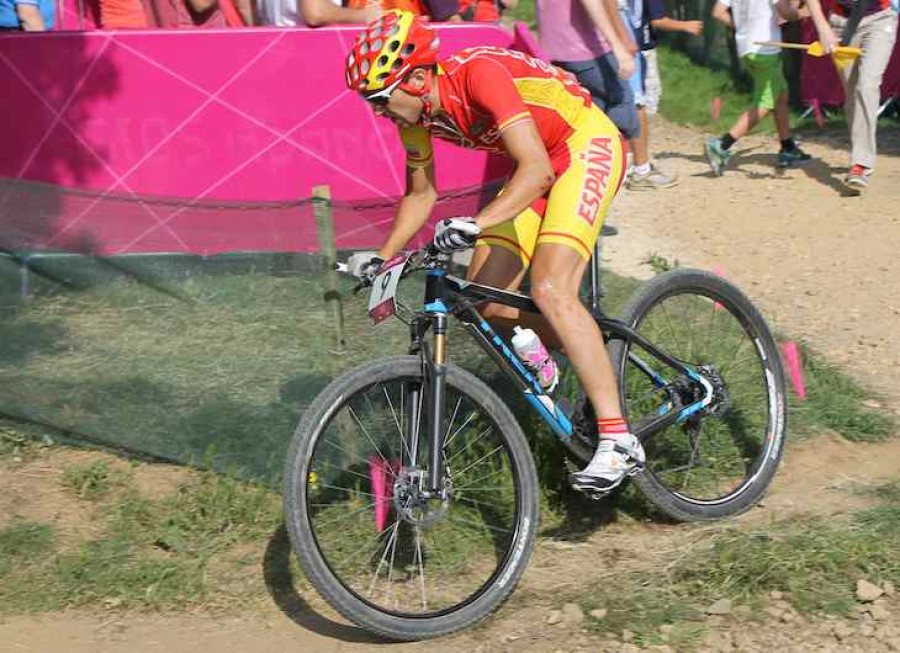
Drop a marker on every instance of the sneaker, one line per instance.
(613, 461)
(653, 180)
(716, 156)
(857, 180)
(791, 158)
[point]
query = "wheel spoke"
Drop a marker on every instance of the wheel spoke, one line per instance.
(372, 442)
(403, 446)
(421, 567)
(390, 544)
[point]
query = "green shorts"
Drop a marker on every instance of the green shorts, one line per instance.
(768, 78)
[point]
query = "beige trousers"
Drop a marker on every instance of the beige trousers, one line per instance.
(862, 80)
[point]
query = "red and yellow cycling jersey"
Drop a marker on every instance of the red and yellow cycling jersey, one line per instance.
(485, 90)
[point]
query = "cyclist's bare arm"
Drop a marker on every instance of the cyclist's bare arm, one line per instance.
(413, 211)
(532, 178)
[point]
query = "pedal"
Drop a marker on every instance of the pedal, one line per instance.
(594, 494)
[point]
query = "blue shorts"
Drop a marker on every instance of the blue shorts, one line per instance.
(612, 95)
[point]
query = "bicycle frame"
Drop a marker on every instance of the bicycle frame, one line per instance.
(447, 295)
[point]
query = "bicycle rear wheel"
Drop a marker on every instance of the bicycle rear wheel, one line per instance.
(719, 461)
(388, 558)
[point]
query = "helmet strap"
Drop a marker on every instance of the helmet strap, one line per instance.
(422, 93)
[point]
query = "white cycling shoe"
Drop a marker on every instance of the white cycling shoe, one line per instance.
(613, 462)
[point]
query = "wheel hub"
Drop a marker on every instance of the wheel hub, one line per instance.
(413, 503)
(721, 401)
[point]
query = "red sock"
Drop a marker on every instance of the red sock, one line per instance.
(612, 429)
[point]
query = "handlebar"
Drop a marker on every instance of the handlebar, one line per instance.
(424, 257)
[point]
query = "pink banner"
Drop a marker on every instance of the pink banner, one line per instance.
(822, 84)
(251, 115)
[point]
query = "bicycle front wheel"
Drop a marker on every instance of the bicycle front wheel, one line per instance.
(380, 550)
(719, 461)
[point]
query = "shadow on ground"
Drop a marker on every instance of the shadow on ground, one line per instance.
(279, 581)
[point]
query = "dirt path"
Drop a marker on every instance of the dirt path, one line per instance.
(823, 267)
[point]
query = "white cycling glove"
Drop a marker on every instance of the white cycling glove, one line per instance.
(452, 234)
(364, 266)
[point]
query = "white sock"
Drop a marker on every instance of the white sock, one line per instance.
(643, 169)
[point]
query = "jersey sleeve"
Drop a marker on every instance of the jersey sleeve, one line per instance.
(417, 143)
(491, 88)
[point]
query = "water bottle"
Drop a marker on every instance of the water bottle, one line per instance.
(531, 350)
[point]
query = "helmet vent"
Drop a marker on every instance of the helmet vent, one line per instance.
(394, 45)
(408, 49)
(382, 60)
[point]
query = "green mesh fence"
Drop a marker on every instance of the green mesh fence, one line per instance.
(205, 360)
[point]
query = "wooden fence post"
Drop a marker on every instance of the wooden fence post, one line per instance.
(321, 199)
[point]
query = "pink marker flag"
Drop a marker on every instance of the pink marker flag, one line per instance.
(818, 116)
(791, 355)
(716, 108)
(719, 272)
(378, 471)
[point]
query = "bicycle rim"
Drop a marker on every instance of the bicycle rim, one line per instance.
(398, 553)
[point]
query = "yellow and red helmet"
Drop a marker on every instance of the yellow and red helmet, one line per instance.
(387, 51)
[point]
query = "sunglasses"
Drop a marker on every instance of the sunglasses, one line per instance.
(377, 100)
(380, 98)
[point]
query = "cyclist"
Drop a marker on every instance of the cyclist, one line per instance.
(569, 163)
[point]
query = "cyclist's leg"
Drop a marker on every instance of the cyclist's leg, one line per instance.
(556, 274)
(500, 259)
(576, 207)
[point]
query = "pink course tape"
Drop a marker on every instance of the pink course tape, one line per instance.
(791, 354)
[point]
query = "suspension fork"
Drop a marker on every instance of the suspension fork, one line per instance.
(436, 408)
(436, 378)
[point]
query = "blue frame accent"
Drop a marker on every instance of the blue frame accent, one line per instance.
(556, 420)
(436, 307)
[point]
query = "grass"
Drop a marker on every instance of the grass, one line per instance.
(171, 553)
(220, 376)
(815, 564)
(90, 481)
(836, 403)
(689, 90)
(22, 542)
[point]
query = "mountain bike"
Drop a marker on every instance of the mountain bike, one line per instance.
(410, 491)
